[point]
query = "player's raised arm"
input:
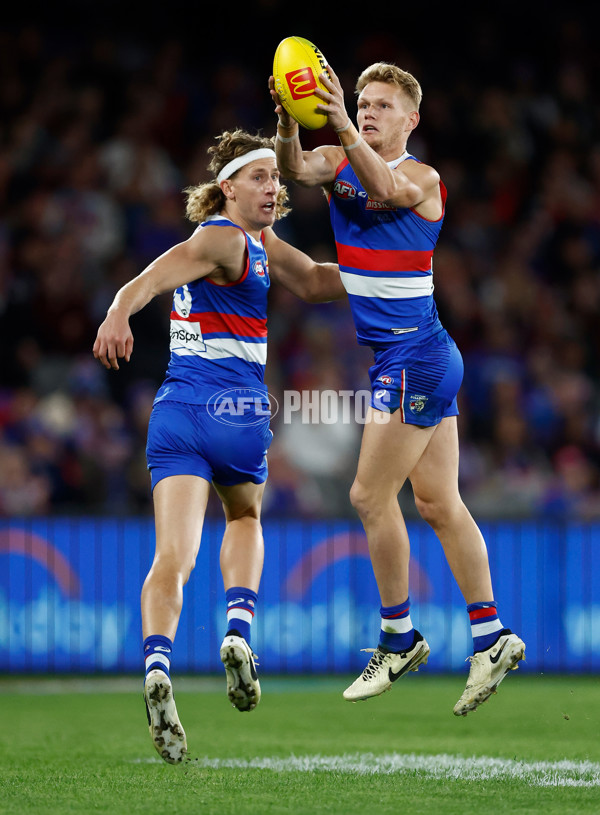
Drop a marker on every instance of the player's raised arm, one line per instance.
(408, 184)
(305, 167)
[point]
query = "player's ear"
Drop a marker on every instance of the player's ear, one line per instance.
(413, 119)
(227, 189)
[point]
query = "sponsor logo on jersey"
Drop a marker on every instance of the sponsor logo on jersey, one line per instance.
(343, 189)
(186, 337)
(379, 205)
(181, 335)
(416, 403)
(385, 379)
(301, 82)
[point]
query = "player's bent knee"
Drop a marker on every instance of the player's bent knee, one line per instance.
(362, 499)
(435, 512)
(172, 570)
(430, 511)
(246, 514)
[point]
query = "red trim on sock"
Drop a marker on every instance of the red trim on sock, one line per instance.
(483, 612)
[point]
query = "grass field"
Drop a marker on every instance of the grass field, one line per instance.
(83, 747)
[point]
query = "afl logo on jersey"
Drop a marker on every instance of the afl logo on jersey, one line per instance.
(343, 189)
(258, 268)
(385, 379)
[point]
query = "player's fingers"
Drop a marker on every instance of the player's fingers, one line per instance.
(104, 360)
(128, 348)
(112, 361)
(326, 80)
(322, 94)
(121, 350)
(332, 73)
(99, 350)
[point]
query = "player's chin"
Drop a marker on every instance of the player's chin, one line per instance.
(268, 215)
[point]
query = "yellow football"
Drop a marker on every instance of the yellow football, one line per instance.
(296, 68)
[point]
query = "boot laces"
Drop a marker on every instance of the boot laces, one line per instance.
(375, 662)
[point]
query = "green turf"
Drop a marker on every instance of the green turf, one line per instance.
(87, 752)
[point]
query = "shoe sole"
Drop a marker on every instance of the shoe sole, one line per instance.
(420, 658)
(166, 732)
(490, 690)
(243, 688)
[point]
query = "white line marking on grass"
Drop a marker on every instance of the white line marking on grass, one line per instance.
(563, 773)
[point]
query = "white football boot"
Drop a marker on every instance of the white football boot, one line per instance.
(243, 687)
(488, 669)
(385, 667)
(166, 731)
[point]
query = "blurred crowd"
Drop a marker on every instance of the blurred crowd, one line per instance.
(100, 132)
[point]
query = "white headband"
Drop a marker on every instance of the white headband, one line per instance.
(234, 165)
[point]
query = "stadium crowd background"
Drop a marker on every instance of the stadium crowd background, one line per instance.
(103, 125)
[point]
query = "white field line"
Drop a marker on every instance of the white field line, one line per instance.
(564, 773)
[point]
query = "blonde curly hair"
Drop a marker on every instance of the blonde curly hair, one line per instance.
(204, 200)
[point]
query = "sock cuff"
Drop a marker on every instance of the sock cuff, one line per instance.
(157, 653)
(482, 604)
(157, 642)
(487, 609)
(241, 593)
(391, 612)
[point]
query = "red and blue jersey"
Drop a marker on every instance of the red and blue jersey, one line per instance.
(219, 332)
(385, 254)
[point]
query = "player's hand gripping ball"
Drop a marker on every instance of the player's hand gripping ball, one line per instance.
(296, 68)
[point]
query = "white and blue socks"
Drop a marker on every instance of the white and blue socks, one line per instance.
(397, 632)
(485, 624)
(241, 603)
(157, 653)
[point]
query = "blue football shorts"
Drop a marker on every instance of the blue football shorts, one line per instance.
(422, 382)
(227, 445)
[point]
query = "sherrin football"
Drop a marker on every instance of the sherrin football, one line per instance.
(296, 68)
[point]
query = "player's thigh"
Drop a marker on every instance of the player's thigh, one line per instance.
(390, 449)
(434, 477)
(179, 508)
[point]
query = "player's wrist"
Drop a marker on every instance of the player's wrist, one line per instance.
(344, 128)
(293, 125)
(354, 144)
(291, 131)
(286, 139)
